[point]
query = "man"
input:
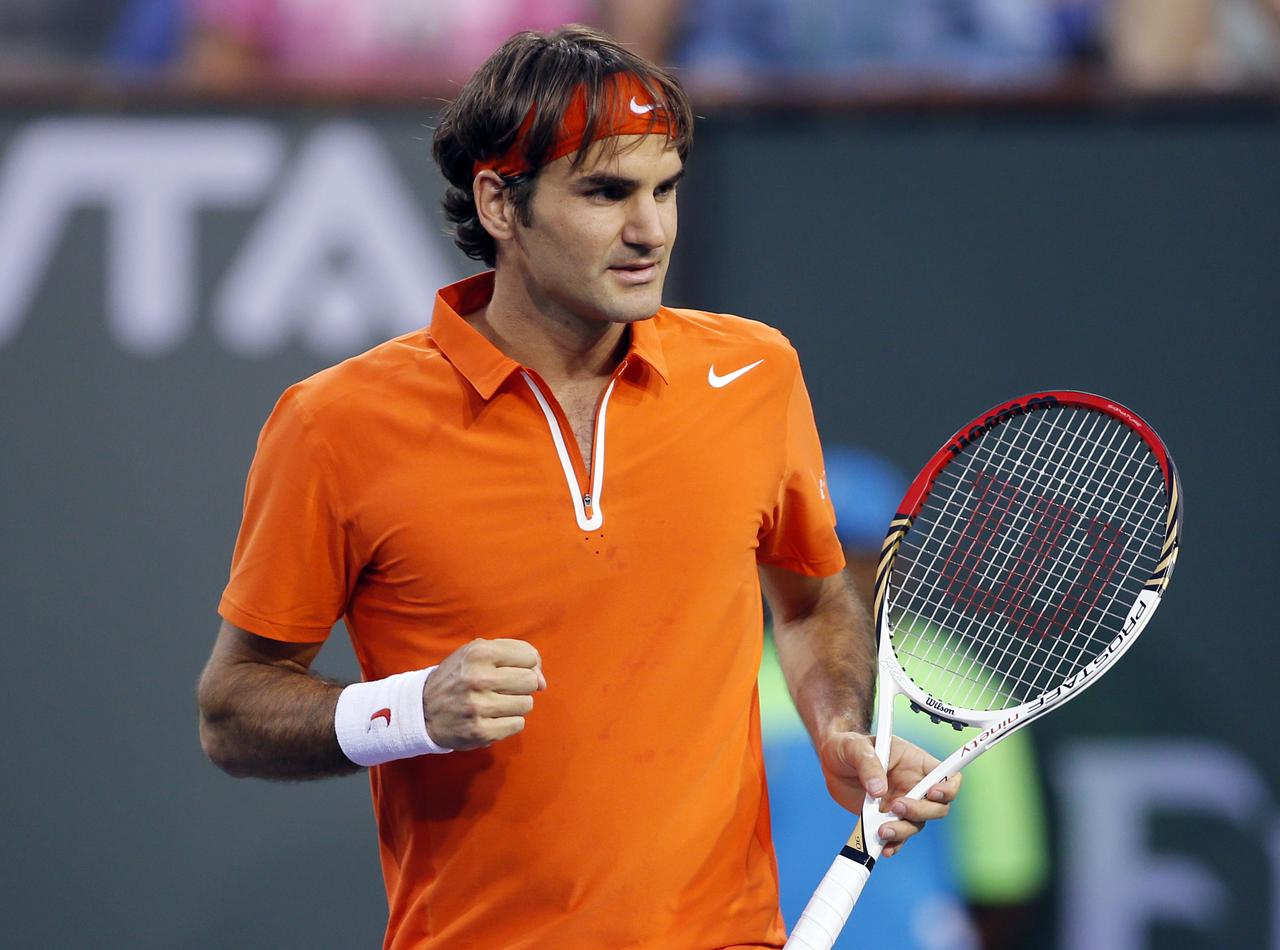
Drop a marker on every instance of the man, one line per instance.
(562, 490)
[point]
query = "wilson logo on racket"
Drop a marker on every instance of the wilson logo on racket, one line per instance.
(941, 707)
(1035, 537)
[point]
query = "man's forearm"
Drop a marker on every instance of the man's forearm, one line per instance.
(825, 646)
(270, 722)
(827, 656)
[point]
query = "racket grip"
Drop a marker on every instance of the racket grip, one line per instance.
(829, 907)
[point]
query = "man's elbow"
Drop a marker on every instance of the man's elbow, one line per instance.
(221, 752)
(217, 731)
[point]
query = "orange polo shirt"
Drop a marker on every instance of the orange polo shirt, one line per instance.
(430, 491)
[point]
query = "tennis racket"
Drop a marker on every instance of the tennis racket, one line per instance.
(1023, 562)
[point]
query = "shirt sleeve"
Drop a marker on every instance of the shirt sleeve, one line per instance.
(293, 569)
(800, 533)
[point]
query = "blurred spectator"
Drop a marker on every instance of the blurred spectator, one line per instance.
(148, 35)
(38, 37)
(1149, 44)
(234, 41)
(1180, 44)
(735, 45)
(968, 42)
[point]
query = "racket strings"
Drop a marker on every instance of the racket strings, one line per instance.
(1032, 552)
(1103, 537)
(1020, 567)
(1021, 583)
(1079, 648)
(971, 504)
(1017, 581)
(1139, 496)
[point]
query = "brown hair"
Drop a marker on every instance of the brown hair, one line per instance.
(546, 69)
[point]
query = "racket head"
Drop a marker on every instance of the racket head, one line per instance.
(1026, 557)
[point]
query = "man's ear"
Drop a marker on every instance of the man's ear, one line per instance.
(493, 205)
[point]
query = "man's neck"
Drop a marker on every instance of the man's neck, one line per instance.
(558, 346)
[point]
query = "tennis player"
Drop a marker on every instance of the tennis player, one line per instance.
(547, 521)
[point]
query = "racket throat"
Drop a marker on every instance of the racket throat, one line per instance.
(855, 849)
(864, 845)
(939, 712)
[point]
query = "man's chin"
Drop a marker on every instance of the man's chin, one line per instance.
(638, 307)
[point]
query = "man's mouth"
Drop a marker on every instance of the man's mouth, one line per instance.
(636, 272)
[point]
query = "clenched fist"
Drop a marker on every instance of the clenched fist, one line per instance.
(481, 692)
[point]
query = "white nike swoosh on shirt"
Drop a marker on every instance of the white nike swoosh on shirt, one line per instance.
(718, 382)
(642, 110)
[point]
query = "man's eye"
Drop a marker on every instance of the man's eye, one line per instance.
(607, 193)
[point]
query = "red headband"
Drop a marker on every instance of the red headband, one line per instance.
(628, 109)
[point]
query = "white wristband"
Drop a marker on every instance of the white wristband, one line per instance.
(384, 720)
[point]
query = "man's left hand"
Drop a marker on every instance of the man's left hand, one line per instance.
(853, 771)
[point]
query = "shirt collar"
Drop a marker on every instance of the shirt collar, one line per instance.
(646, 345)
(486, 367)
(483, 364)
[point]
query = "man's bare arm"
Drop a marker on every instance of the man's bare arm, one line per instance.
(264, 713)
(825, 648)
(827, 653)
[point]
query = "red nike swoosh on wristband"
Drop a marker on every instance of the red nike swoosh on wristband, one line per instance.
(383, 713)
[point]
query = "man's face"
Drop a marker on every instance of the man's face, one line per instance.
(601, 235)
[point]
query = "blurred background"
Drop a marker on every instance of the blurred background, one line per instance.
(943, 203)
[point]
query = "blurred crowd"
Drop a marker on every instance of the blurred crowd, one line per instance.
(1143, 44)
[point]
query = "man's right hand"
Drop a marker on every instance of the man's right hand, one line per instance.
(481, 692)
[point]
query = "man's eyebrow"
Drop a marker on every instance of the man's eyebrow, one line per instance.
(673, 180)
(605, 180)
